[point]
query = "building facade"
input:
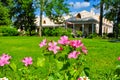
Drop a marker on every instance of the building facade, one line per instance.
(88, 22)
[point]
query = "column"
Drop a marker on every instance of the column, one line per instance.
(65, 25)
(83, 28)
(92, 28)
(73, 28)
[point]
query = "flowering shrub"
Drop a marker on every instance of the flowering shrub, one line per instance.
(4, 59)
(4, 78)
(27, 61)
(83, 78)
(64, 58)
(117, 71)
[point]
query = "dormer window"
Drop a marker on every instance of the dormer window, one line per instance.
(78, 15)
(44, 22)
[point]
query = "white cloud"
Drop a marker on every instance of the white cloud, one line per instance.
(97, 11)
(77, 5)
(71, 3)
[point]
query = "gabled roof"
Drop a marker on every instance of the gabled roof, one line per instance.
(86, 19)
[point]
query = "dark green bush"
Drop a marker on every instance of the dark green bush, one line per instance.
(56, 31)
(79, 33)
(110, 35)
(8, 31)
(92, 35)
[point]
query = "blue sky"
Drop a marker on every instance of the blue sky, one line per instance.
(79, 5)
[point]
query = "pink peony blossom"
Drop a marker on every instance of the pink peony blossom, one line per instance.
(119, 58)
(43, 43)
(84, 50)
(80, 78)
(83, 78)
(27, 61)
(53, 47)
(63, 40)
(76, 43)
(4, 59)
(73, 54)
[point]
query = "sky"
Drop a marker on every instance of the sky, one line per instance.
(80, 5)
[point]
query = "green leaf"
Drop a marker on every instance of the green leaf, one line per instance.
(59, 64)
(50, 78)
(87, 71)
(40, 62)
(13, 66)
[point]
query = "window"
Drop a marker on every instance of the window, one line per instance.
(78, 15)
(44, 22)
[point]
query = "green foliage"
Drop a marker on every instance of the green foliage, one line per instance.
(4, 15)
(55, 10)
(79, 33)
(94, 35)
(101, 58)
(110, 35)
(117, 71)
(57, 31)
(8, 31)
(66, 68)
(24, 15)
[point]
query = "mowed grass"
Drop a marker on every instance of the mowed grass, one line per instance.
(101, 59)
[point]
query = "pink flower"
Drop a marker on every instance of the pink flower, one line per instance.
(4, 59)
(119, 58)
(80, 79)
(43, 43)
(63, 40)
(53, 47)
(27, 61)
(73, 54)
(84, 50)
(83, 78)
(76, 43)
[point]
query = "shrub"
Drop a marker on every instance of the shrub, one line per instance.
(8, 31)
(110, 35)
(65, 59)
(57, 31)
(62, 60)
(92, 35)
(79, 33)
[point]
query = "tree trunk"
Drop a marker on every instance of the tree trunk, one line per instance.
(41, 13)
(101, 17)
(118, 21)
(40, 24)
(30, 32)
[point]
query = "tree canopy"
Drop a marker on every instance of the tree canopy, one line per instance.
(54, 9)
(5, 8)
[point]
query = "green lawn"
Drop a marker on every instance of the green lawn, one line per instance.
(101, 59)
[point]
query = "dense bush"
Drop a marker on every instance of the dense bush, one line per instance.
(58, 31)
(94, 35)
(110, 35)
(79, 33)
(8, 31)
(33, 33)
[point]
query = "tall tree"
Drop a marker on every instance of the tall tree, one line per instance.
(101, 4)
(101, 17)
(113, 14)
(5, 10)
(4, 16)
(24, 15)
(54, 9)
